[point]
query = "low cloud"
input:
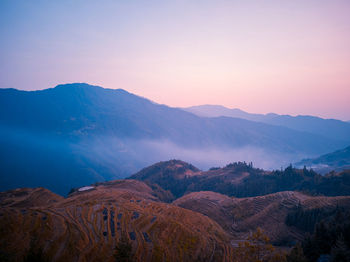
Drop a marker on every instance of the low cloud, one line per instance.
(136, 154)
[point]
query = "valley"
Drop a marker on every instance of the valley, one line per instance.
(174, 131)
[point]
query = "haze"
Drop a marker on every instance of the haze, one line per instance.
(287, 57)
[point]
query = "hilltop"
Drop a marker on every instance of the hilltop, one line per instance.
(242, 180)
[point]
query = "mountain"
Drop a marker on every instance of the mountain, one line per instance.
(242, 180)
(92, 221)
(330, 128)
(170, 211)
(95, 222)
(78, 134)
(338, 160)
(218, 110)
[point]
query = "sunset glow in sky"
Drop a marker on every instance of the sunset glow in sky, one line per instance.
(287, 57)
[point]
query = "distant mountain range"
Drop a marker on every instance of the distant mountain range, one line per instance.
(77, 134)
(338, 160)
(331, 128)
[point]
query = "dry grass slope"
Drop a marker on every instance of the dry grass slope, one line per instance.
(240, 216)
(87, 225)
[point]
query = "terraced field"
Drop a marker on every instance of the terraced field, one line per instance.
(87, 225)
(240, 216)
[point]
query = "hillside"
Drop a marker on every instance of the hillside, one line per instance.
(240, 216)
(177, 212)
(242, 180)
(199, 226)
(330, 128)
(338, 160)
(78, 134)
(88, 224)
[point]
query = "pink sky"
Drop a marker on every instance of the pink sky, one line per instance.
(287, 57)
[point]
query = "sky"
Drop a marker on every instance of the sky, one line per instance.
(286, 57)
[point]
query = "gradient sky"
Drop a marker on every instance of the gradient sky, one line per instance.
(287, 57)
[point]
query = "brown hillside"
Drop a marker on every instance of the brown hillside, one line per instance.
(240, 216)
(28, 197)
(87, 225)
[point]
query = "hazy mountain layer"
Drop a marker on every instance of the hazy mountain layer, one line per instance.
(331, 128)
(338, 160)
(77, 134)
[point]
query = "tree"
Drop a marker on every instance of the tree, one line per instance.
(123, 250)
(258, 248)
(297, 254)
(72, 190)
(340, 252)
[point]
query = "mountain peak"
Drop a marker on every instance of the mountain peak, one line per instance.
(86, 86)
(75, 85)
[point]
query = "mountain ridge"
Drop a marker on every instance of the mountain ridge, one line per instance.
(242, 180)
(327, 127)
(85, 134)
(337, 160)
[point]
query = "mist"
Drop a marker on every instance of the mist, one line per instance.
(59, 164)
(136, 154)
